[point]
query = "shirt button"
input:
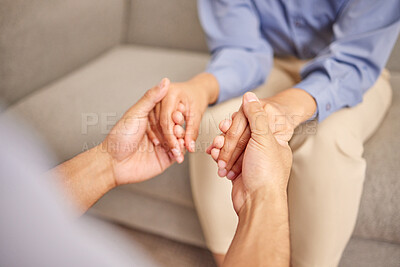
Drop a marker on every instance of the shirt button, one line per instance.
(328, 106)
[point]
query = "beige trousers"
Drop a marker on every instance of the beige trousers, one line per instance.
(326, 180)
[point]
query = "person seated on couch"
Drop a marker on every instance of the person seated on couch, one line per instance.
(329, 66)
(36, 229)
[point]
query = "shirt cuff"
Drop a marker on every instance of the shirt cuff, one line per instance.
(318, 85)
(228, 83)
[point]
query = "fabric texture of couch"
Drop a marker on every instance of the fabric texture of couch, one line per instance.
(71, 68)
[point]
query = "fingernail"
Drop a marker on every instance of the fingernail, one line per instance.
(180, 159)
(215, 153)
(192, 146)
(251, 97)
(222, 172)
(221, 164)
(156, 142)
(230, 175)
(176, 152)
(170, 155)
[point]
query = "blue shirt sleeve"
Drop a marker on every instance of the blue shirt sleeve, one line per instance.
(241, 57)
(364, 35)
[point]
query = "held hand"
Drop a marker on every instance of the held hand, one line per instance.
(285, 112)
(134, 158)
(184, 103)
(266, 162)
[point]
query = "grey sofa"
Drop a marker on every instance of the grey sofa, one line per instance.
(68, 64)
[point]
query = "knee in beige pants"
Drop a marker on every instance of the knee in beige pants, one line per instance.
(327, 179)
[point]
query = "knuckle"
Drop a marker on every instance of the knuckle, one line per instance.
(149, 94)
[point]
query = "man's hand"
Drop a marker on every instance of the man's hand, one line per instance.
(127, 155)
(259, 195)
(266, 161)
(184, 103)
(285, 112)
(134, 157)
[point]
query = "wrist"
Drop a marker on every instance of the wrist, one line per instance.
(273, 197)
(103, 167)
(207, 84)
(301, 104)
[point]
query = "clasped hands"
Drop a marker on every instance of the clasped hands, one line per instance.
(251, 150)
(186, 104)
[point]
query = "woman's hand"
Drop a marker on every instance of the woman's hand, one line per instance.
(185, 103)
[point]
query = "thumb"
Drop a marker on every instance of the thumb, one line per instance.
(150, 99)
(258, 119)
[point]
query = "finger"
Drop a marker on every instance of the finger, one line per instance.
(236, 169)
(239, 148)
(215, 153)
(156, 128)
(181, 108)
(224, 125)
(208, 149)
(258, 118)
(152, 136)
(234, 115)
(232, 137)
(222, 172)
(178, 118)
(218, 141)
(150, 99)
(179, 131)
(168, 105)
(157, 111)
(193, 120)
(181, 143)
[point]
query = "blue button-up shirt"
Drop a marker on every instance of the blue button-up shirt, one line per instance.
(349, 41)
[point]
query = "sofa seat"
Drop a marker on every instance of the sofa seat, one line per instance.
(102, 90)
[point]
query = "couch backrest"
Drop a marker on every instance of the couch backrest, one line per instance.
(166, 23)
(394, 61)
(42, 40)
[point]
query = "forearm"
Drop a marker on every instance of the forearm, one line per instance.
(262, 236)
(86, 177)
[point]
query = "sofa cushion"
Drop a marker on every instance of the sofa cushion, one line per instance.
(369, 253)
(379, 215)
(42, 40)
(172, 23)
(76, 112)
